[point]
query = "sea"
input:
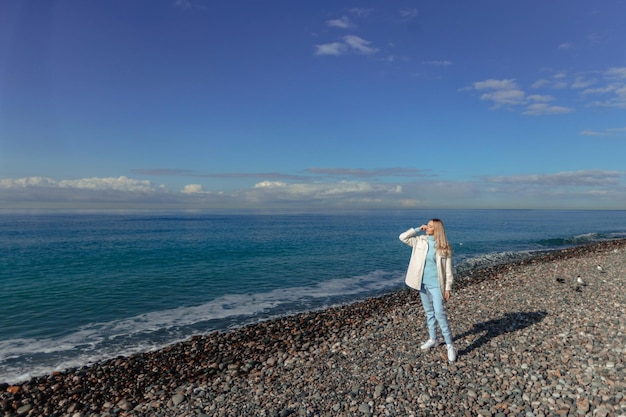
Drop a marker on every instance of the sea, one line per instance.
(81, 287)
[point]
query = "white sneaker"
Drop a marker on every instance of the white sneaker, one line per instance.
(430, 343)
(451, 353)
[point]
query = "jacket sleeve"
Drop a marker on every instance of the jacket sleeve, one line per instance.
(449, 274)
(405, 237)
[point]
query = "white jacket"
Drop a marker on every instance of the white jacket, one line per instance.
(415, 272)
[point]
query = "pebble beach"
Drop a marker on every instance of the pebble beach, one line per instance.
(540, 337)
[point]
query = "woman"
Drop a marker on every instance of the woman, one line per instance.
(430, 272)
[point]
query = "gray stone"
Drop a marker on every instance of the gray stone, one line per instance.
(177, 399)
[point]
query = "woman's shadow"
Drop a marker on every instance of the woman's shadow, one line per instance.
(511, 322)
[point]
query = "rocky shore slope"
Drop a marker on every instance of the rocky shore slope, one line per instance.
(541, 337)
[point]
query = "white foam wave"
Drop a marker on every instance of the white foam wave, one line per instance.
(21, 359)
(490, 259)
(246, 304)
(586, 237)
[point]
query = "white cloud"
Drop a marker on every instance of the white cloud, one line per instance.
(360, 12)
(573, 178)
(29, 182)
(500, 92)
(368, 173)
(614, 91)
(594, 37)
(601, 90)
(492, 84)
(618, 104)
(540, 98)
(617, 101)
(611, 132)
(350, 43)
(98, 184)
(80, 193)
(192, 189)
(330, 194)
(341, 23)
(118, 184)
(270, 184)
(189, 4)
(183, 4)
(539, 109)
(593, 133)
(569, 190)
(616, 73)
(335, 48)
(360, 45)
(559, 81)
(507, 93)
(541, 83)
(409, 13)
(581, 82)
(439, 63)
(503, 97)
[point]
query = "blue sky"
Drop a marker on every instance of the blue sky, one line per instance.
(325, 104)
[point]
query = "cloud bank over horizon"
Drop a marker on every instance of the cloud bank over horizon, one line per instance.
(563, 190)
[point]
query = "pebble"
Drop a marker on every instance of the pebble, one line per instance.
(177, 399)
(529, 344)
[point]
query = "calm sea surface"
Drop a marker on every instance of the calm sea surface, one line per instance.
(77, 288)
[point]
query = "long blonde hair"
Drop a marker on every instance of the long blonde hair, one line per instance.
(443, 246)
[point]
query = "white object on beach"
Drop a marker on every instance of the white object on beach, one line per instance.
(580, 281)
(451, 353)
(600, 268)
(430, 343)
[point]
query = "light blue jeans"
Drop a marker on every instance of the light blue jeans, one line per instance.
(435, 312)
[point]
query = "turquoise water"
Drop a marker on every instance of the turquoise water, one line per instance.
(77, 288)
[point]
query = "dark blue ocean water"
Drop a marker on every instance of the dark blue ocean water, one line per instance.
(80, 287)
